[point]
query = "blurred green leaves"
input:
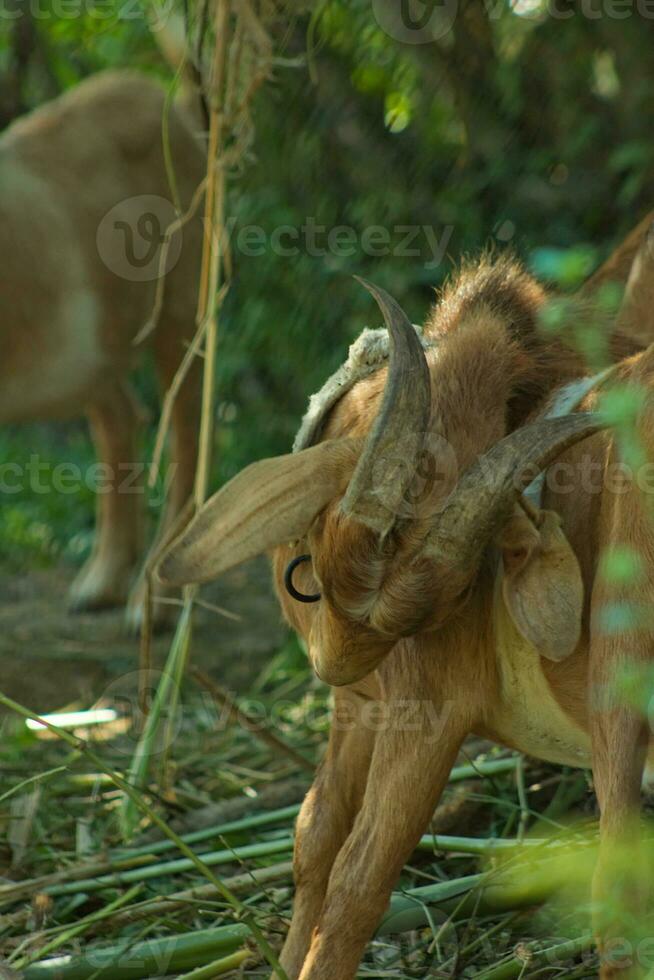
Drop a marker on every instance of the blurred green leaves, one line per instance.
(505, 130)
(566, 267)
(621, 406)
(621, 565)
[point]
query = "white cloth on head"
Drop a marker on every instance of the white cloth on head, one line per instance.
(367, 354)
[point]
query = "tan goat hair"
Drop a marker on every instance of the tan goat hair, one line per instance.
(85, 201)
(442, 589)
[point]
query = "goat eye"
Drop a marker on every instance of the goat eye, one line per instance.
(288, 581)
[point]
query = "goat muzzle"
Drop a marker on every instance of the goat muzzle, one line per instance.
(341, 653)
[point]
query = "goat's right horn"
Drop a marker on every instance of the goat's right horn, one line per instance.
(390, 455)
(485, 494)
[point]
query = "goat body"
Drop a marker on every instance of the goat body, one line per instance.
(483, 614)
(85, 202)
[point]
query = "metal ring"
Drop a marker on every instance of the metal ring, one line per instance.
(288, 581)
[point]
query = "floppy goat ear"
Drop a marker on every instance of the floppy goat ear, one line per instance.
(542, 585)
(269, 503)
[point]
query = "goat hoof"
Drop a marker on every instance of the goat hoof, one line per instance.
(96, 588)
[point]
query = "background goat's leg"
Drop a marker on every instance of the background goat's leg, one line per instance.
(104, 579)
(183, 439)
(408, 773)
(326, 819)
(620, 740)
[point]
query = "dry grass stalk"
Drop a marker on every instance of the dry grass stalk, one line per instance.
(141, 805)
(238, 884)
(253, 725)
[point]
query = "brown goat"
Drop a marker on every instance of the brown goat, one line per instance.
(85, 201)
(451, 594)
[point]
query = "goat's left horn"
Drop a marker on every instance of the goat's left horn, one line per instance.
(390, 455)
(485, 494)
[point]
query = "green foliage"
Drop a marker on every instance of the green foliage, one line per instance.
(38, 525)
(513, 129)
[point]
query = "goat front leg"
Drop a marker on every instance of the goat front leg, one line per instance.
(326, 819)
(104, 580)
(408, 773)
(620, 738)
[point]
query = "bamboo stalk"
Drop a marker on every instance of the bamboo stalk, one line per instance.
(407, 911)
(263, 819)
(139, 857)
(482, 846)
(14, 891)
(505, 890)
(77, 743)
(489, 845)
(459, 774)
(548, 956)
(65, 935)
(134, 961)
(488, 767)
(218, 967)
(157, 906)
(169, 868)
(145, 645)
(128, 858)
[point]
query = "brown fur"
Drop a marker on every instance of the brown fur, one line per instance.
(491, 367)
(463, 648)
(69, 321)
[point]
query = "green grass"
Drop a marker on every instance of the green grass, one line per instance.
(443, 913)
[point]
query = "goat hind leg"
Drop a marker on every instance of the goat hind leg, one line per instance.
(104, 579)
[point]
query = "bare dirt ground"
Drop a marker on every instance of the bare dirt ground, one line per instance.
(50, 659)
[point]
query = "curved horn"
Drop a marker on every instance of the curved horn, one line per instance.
(390, 455)
(485, 494)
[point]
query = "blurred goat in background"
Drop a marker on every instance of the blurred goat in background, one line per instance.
(85, 202)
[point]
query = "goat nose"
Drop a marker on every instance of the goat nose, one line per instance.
(338, 674)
